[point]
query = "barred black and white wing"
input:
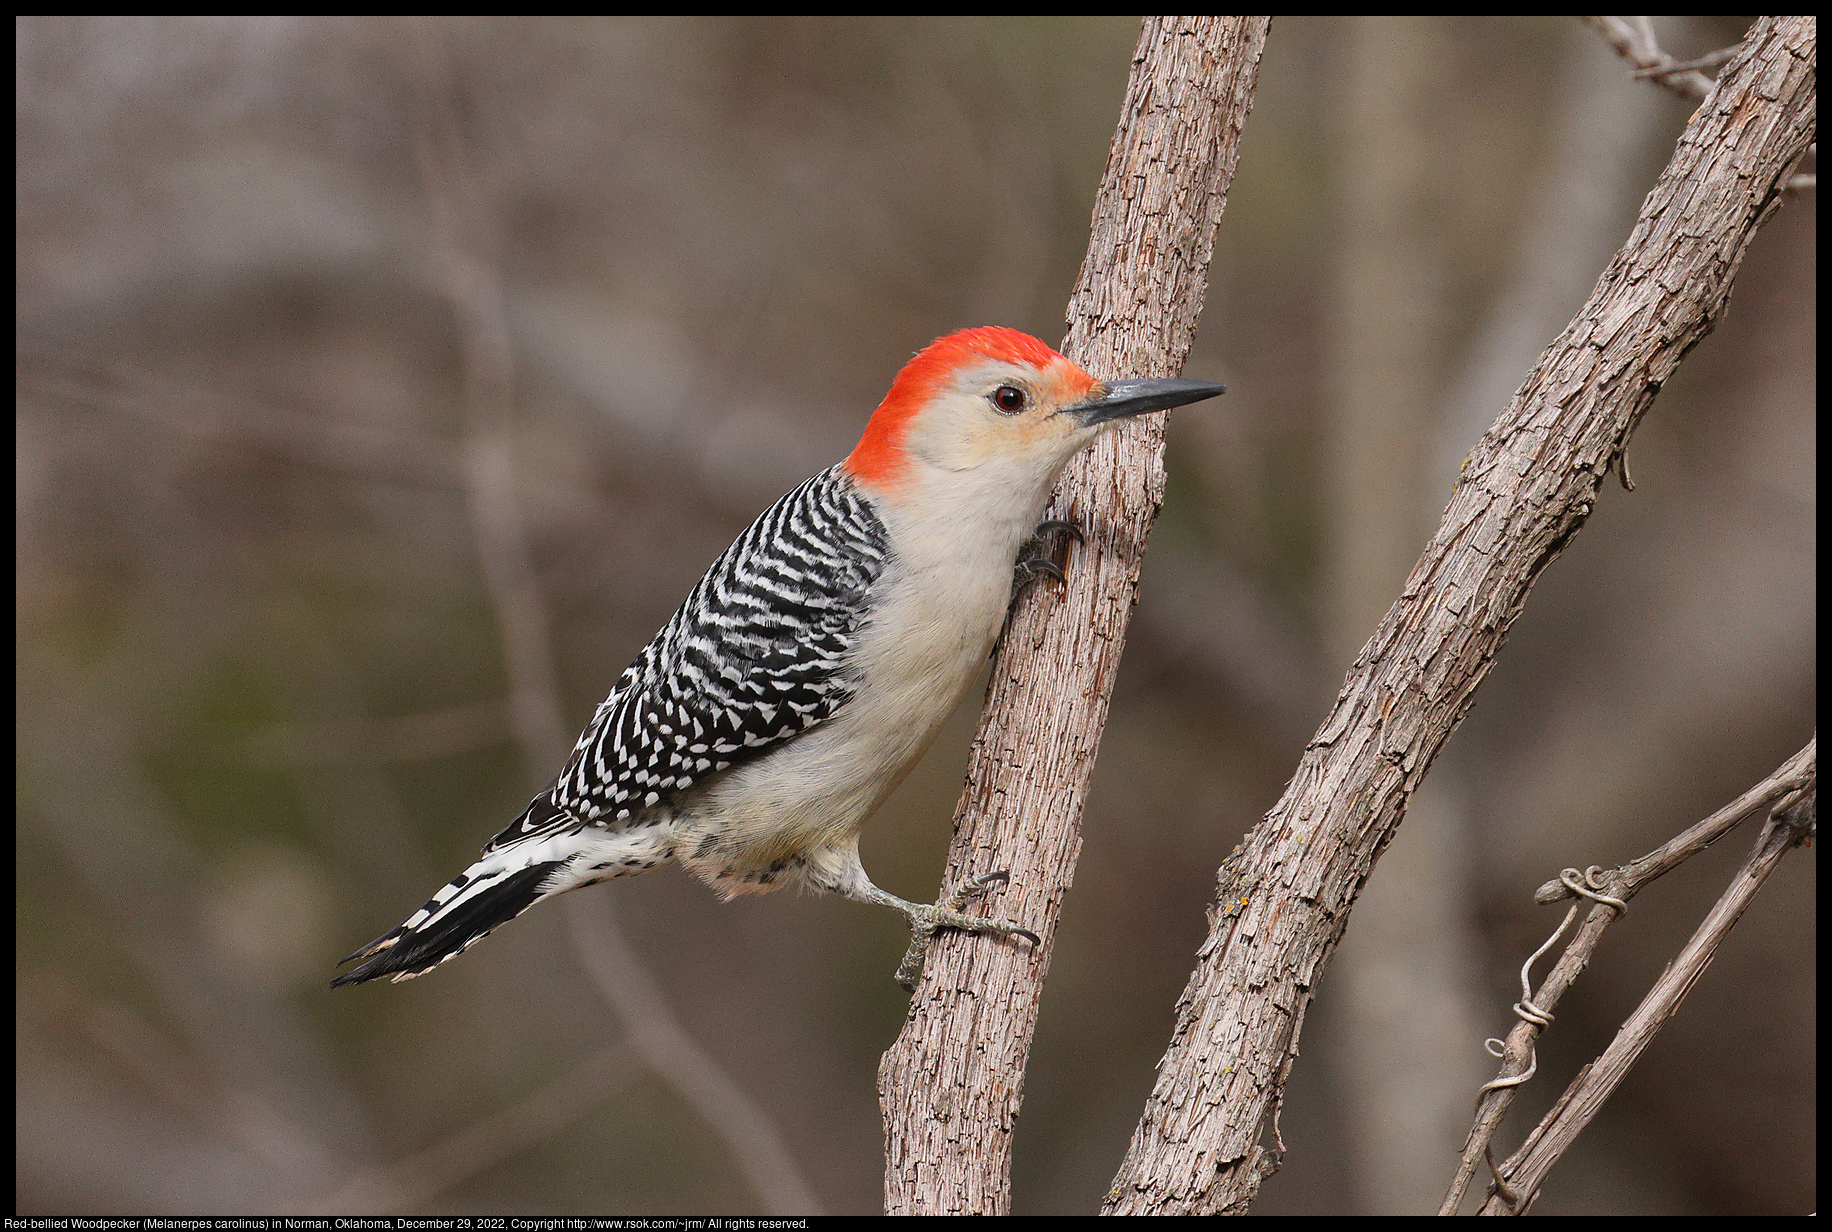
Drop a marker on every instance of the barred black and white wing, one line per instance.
(759, 653)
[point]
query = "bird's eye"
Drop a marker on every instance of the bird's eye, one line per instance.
(1008, 398)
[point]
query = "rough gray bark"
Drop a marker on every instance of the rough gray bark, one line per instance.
(1526, 489)
(952, 1082)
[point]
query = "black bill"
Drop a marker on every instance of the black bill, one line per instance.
(1127, 398)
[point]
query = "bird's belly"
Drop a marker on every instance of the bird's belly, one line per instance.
(797, 811)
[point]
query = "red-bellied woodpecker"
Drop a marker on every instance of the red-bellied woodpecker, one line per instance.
(813, 664)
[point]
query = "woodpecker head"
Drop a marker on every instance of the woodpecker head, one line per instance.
(992, 407)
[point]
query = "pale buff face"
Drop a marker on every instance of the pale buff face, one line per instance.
(1004, 417)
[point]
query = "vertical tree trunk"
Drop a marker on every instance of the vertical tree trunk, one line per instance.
(952, 1083)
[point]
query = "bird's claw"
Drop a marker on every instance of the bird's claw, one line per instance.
(1050, 524)
(1031, 566)
(1037, 566)
(946, 913)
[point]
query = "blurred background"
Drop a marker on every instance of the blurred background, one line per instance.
(275, 273)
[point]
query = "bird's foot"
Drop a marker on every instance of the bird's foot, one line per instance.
(946, 913)
(1033, 564)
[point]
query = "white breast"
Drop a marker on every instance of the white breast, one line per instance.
(943, 600)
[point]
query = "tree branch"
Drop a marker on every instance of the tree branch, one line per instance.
(1629, 880)
(952, 1082)
(1611, 893)
(1527, 1170)
(662, 1044)
(1526, 490)
(1635, 42)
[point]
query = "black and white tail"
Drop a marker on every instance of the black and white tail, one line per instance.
(757, 655)
(504, 882)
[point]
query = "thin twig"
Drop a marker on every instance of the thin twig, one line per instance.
(1611, 890)
(1527, 1170)
(468, 278)
(1793, 775)
(184, 1082)
(1711, 59)
(246, 423)
(1636, 44)
(1518, 1058)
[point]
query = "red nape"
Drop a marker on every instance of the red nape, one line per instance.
(879, 454)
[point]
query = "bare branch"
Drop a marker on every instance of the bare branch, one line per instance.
(1635, 43)
(467, 274)
(1711, 59)
(1628, 881)
(248, 423)
(1611, 892)
(952, 1083)
(185, 1082)
(1526, 489)
(1526, 1171)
